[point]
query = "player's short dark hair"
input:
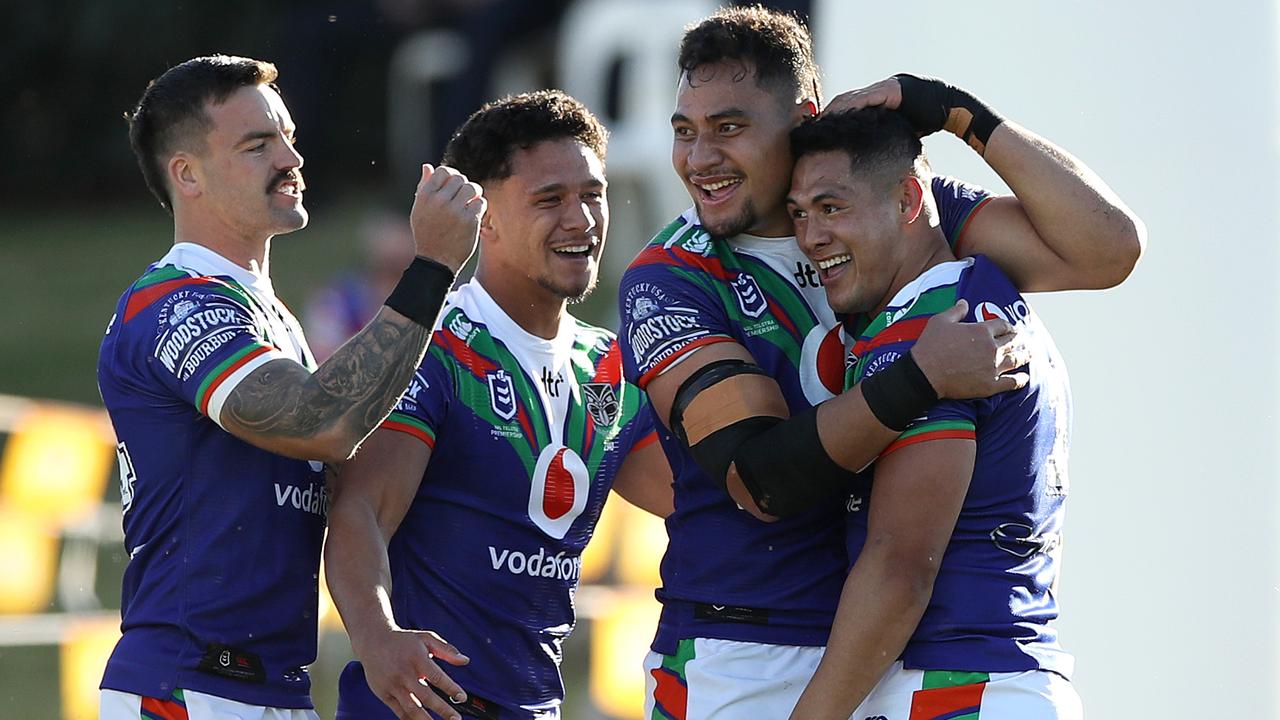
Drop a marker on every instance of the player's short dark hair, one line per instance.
(172, 110)
(482, 148)
(878, 142)
(776, 44)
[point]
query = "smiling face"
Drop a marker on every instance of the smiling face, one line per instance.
(547, 220)
(248, 175)
(731, 149)
(851, 228)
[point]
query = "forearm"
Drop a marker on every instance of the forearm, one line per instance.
(326, 414)
(879, 609)
(358, 574)
(850, 432)
(1077, 216)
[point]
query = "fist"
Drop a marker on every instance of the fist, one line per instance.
(446, 216)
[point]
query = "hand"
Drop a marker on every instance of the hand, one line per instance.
(399, 665)
(970, 360)
(887, 92)
(446, 216)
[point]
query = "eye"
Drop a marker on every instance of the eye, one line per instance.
(257, 147)
(592, 196)
(829, 209)
(798, 214)
(682, 132)
(730, 127)
(546, 202)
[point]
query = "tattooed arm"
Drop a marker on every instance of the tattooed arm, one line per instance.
(284, 408)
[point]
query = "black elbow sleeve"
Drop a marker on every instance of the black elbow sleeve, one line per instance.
(786, 468)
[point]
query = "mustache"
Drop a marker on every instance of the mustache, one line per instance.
(294, 175)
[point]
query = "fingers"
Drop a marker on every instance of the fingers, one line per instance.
(887, 92)
(955, 313)
(1011, 381)
(431, 673)
(444, 650)
(1012, 353)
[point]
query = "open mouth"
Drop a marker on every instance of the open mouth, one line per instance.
(582, 250)
(290, 186)
(833, 267)
(717, 191)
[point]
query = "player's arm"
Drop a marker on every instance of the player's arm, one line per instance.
(644, 480)
(734, 420)
(1062, 229)
(915, 500)
(374, 491)
(287, 409)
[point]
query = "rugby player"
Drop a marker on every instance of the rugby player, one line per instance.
(223, 421)
(465, 515)
(726, 326)
(955, 530)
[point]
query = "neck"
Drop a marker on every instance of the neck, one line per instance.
(776, 225)
(535, 309)
(252, 253)
(927, 251)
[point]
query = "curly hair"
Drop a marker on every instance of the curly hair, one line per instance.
(777, 45)
(171, 111)
(482, 148)
(879, 142)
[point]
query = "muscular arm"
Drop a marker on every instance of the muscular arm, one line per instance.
(961, 360)
(644, 480)
(374, 492)
(891, 583)
(1063, 229)
(284, 408)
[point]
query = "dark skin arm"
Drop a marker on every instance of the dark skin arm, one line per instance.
(890, 585)
(374, 492)
(961, 360)
(1063, 228)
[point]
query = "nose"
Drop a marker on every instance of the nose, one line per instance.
(704, 154)
(578, 217)
(290, 159)
(811, 237)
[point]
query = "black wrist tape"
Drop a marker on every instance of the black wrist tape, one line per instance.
(899, 394)
(930, 105)
(420, 293)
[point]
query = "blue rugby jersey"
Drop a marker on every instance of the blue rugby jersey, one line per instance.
(220, 592)
(725, 574)
(527, 435)
(993, 600)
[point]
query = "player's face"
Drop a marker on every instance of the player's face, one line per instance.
(849, 227)
(550, 217)
(250, 172)
(731, 149)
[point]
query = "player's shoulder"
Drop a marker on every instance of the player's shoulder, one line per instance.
(683, 243)
(170, 293)
(990, 292)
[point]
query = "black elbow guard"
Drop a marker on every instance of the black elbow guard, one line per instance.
(787, 470)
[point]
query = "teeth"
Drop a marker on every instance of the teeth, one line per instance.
(834, 261)
(573, 249)
(709, 187)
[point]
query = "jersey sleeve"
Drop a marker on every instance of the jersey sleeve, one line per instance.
(421, 411)
(206, 339)
(644, 430)
(666, 313)
(958, 203)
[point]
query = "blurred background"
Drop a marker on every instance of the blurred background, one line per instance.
(1172, 576)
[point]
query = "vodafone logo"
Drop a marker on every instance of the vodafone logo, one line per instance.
(558, 493)
(989, 311)
(822, 363)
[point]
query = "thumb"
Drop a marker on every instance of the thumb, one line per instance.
(1012, 381)
(956, 312)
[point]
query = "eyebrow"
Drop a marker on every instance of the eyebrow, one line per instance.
(256, 135)
(815, 199)
(732, 112)
(557, 187)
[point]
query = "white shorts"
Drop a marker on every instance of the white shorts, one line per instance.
(940, 695)
(727, 680)
(190, 705)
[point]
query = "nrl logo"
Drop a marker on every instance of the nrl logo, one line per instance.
(750, 299)
(502, 395)
(602, 403)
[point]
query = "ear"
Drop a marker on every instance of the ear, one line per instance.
(911, 199)
(487, 232)
(808, 107)
(184, 175)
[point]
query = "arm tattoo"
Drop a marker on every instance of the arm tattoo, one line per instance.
(351, 392)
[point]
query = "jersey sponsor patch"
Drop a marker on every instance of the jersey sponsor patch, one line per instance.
(558, 490)
(192, 326)
(658, 327)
